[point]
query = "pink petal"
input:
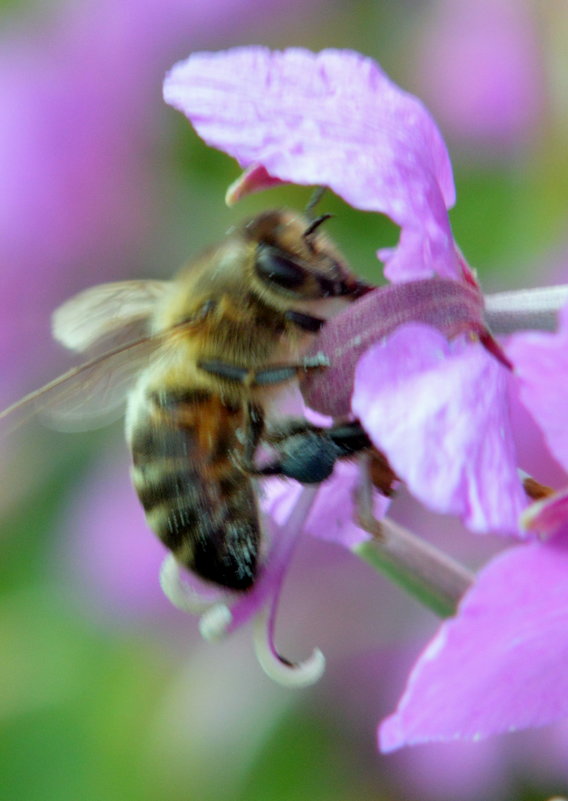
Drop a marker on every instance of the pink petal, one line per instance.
(541, 366)
(254, 179)
(334, 119)
(439, 412)
(500, 665)
(451, 306)
(332, 517)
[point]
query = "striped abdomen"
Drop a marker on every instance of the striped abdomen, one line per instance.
(198, 503)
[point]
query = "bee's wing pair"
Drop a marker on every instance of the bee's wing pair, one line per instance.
(109, 324)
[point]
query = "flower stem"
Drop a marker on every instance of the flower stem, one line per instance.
(525, 309)
(426, 573)
(429, 575)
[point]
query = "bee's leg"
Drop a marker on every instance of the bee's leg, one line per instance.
(223, 370)
(253, 433)
(278, 373)
(275, 374)
(307, 322)
(308, 453)
(351, 439)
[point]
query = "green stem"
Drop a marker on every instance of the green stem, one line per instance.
(429, 575)
(432, 577)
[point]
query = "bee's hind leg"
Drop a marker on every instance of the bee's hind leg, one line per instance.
(308, 453)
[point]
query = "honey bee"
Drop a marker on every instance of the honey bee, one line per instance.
(201, 360)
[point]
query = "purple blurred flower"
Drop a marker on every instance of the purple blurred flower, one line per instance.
(80, 185)
(479, 70)
(108, 552)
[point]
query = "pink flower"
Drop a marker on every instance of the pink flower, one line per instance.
(500, 664)
(416, 389)
(438, 409)
(335, 119)
(541, 366)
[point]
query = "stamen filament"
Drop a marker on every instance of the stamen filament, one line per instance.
(277, 667)
(267, 588)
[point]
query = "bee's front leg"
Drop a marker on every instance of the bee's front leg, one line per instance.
(307, 322)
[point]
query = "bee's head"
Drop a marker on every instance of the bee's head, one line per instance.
(295, 258)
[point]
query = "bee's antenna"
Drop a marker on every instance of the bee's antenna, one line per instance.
(316, 224)
(317, 195)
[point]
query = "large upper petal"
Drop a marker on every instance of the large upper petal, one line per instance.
(332, 118)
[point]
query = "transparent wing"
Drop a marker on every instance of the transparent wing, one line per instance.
(87, 396)
(107, 315)
(109, 322)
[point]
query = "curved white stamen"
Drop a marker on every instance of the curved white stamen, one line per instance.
(280, 670)
(179, 592)
(214, 623)
(284, 672)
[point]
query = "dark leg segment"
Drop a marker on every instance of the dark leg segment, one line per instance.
(308, 453)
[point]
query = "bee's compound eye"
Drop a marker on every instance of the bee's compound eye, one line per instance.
(274, 267)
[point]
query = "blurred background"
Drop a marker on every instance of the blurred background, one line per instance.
(106, 692)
